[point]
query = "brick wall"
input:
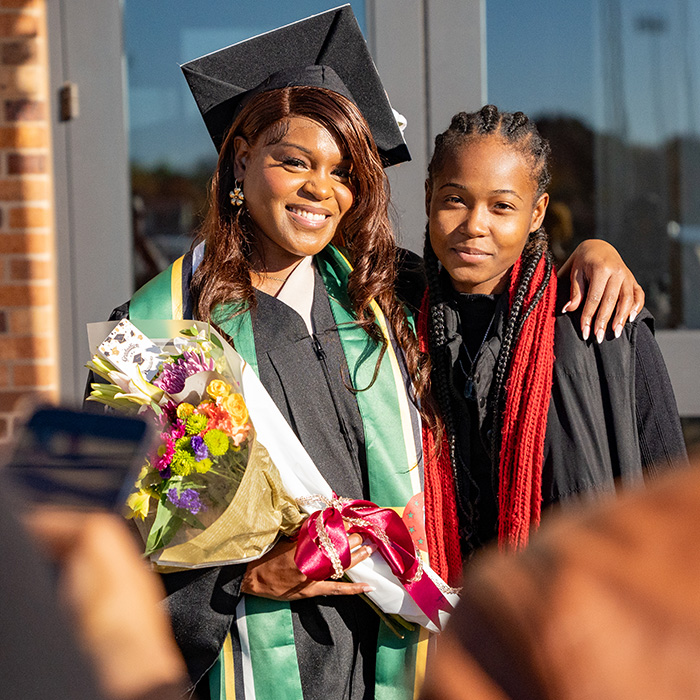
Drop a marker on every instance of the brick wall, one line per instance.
(28, 366)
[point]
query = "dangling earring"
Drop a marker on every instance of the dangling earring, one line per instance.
(236, 194)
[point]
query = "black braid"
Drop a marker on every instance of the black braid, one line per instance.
(489, 119)
(540, 239)
(538, 245)
(440, 383)
(516, 130)
(517, 121)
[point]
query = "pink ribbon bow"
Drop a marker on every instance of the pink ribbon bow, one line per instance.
(323, 550)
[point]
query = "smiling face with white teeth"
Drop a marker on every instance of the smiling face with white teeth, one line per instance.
(297, 190)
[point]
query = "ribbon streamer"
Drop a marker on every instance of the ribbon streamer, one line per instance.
(323, 550)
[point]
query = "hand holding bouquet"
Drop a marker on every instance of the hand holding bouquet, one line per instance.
(221, 487)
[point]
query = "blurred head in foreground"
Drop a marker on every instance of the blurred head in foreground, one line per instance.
(604, 603)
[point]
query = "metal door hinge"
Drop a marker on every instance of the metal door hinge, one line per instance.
(68, 101)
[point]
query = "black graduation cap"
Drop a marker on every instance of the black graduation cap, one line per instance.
(325, 50)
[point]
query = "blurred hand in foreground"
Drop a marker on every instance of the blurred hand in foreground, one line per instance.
(115, 601)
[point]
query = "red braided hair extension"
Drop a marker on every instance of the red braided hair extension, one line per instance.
(441, 522)
(528, 391)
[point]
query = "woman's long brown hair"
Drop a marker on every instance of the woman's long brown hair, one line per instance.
(365, 232)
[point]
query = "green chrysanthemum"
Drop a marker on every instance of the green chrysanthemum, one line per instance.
(196, 423)
(203, 466)
(216, 441)
(183, 463)
(183, 444)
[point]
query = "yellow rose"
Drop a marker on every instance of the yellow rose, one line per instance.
(218, 388)
(235, 406)
(184, 410)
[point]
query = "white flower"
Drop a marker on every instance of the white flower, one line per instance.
(193, 343)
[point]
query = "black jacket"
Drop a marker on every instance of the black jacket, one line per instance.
(612, 416)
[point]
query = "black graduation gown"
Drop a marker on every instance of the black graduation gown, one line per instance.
(307, 378)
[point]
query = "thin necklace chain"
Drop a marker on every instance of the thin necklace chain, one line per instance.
(481, 345)
(469, 387)
(270, 277)
(266, 276)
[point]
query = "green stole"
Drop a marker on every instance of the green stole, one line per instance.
(266, 628)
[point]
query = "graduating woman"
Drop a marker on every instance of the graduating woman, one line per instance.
(535, 411)
(298, 267)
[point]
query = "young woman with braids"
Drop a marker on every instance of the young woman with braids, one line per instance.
(298, 266)
(534, 411)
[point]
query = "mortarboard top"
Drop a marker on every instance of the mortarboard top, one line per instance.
(325, 50)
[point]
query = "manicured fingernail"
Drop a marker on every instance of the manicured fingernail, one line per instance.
(600, 336)
(371, 549)
(566, 306)
(367, 589)
(586, 332)
(633, 315)
(618, 330)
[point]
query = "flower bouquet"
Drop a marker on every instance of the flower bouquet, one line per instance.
(262, 485)
(208, 479)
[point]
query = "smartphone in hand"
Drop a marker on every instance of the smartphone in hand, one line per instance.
(77, 460)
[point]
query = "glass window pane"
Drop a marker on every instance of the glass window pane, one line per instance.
(170, 152)
(614, 86)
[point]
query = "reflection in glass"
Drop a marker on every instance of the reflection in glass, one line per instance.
(614, 85)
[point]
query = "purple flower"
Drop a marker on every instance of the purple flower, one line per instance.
(188, 500)
(201, 451)
(169, 413)
(173, 374)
